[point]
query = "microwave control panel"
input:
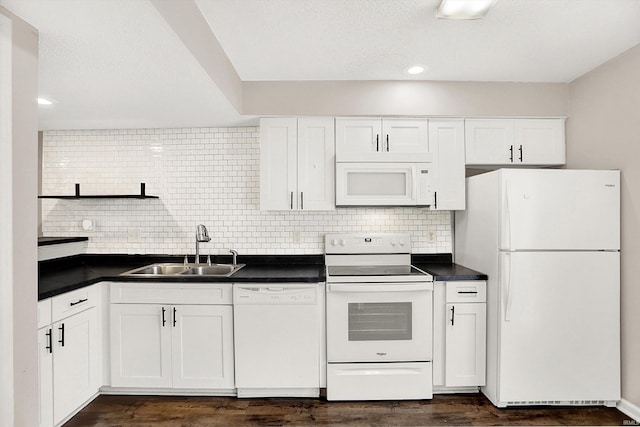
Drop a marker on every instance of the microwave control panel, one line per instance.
(424, 176)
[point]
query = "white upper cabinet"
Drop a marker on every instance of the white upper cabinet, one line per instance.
(513, 142)
(297, 164)
(357, 136)
(404, 135)
(381, 140)
(539, 141)
(446, 138)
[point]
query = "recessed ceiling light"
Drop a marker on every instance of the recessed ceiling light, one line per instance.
(44, 101)
(464, 9)
(416, 69)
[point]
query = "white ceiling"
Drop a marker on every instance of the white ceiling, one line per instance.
(118, 64)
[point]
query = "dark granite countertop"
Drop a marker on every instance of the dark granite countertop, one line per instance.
(66, 274)
(45, 241)
(442, 268)
(62, 275)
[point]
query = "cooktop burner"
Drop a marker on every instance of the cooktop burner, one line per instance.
(374, 270)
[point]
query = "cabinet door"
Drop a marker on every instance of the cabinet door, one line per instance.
(278, 164)
(76, 362)
(405, 136)
(140, 345)
(489, 142)
(202, 341)
(465, 345)
(447, 146)
(45, 375)
(357, 137)
(316, 164)
(539, 141)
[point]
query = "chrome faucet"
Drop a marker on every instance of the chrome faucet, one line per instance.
(201, 236)
(235, 256)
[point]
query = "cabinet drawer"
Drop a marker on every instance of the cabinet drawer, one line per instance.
(468, 291)
(74, 302)
(171, 293)
(44, 313)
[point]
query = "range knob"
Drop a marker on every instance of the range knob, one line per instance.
(393, 242)
(334, 242)
(402, 242)
(343, 242)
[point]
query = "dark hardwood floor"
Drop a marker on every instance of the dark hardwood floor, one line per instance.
(466, 409)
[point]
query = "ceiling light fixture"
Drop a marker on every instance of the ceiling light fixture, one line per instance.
(43, 101)
(416, 69)
(463, 9)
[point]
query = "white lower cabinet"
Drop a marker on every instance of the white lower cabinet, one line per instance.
(459, 336)
(76, 371)
(69, 359)
(140, 346)
(45, 376)
(465, 345)
(178, 346)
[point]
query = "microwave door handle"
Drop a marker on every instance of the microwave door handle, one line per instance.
(411, 184)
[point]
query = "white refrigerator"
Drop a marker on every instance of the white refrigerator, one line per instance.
(549, 241)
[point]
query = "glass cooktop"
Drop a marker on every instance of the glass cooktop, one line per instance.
(374, 270)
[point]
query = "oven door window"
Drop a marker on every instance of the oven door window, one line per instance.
(380, 321)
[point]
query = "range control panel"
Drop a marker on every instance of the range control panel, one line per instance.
(367, 243)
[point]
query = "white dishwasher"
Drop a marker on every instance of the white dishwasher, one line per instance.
(277, 330)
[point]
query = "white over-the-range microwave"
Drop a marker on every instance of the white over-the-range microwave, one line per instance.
(384, 184)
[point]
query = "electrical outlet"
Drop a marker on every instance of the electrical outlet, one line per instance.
(88, 225)
(296, 237)
(431, 236)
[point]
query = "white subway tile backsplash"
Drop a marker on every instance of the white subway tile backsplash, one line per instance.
(201, 175)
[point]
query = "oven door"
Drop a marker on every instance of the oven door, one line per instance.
(379, 322)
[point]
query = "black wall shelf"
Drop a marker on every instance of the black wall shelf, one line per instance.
(142, 195)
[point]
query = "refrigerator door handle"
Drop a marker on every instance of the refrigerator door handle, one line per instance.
(507, 287)
(507, 220)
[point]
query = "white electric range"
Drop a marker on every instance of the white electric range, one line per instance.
(379, 319)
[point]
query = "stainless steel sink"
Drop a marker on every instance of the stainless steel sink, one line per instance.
(158, 270)
(174, 269)
(213, 270)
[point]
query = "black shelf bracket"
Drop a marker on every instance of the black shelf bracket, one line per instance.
(142, 195)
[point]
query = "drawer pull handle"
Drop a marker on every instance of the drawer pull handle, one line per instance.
(174, 317)
(80, 301)
(164, 321)
(467, 292)
(453, 314)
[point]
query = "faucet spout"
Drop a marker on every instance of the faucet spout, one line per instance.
(235, 256)
(201, 236)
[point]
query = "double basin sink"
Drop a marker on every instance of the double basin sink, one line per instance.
(177, 269)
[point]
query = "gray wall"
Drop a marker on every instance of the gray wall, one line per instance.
(603, 132)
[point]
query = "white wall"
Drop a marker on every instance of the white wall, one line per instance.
(603, 132)
(202, 175)
(18, 222)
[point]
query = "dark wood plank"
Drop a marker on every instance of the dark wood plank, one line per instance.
(196, 411)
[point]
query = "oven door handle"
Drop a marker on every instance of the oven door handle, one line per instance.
(383, 287)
